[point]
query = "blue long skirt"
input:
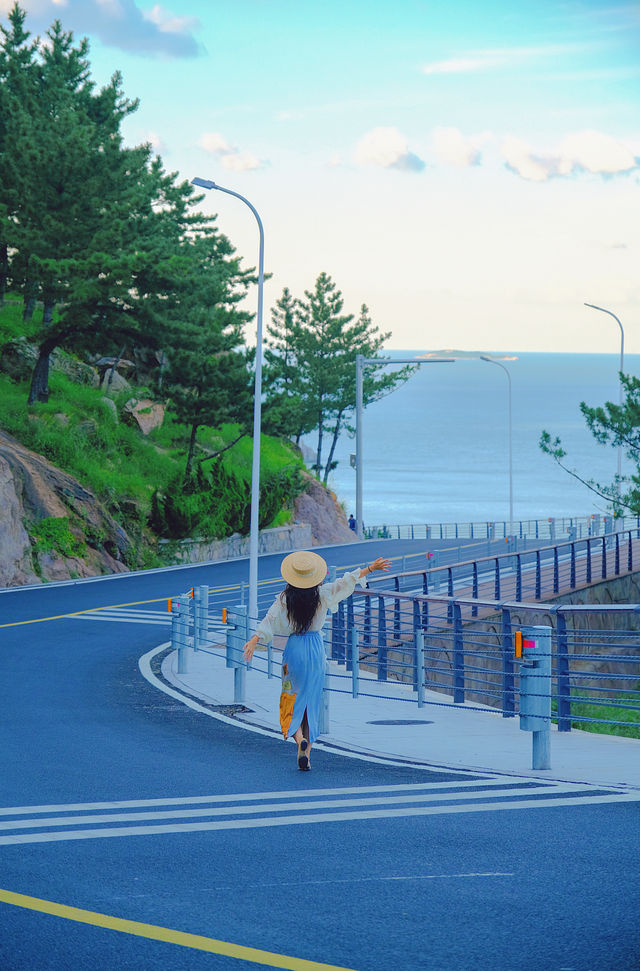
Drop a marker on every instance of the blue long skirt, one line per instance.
(303, 664)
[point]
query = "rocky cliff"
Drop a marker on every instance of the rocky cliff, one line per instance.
(51, 527)
(320, 508)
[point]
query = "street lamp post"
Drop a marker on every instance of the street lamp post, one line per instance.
(257, 409)
(602, 309)
(361, 361)
(491, 360)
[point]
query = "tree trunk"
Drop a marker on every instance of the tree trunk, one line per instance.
(4, 270)
(29, 305)
(47, 314)
(318, 465)
(334, 442)
(191, 452)
(39, 390)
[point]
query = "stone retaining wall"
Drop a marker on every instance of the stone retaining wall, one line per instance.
(282, 539)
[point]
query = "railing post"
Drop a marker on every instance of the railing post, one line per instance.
(496, 583)
(508, 682)
(518, 577)
(556, 570)
(382, 640)
(630, 554)
(604, 558)
(416, 627)
(425, 603)
(366, 640)
(355, 665)
(474, 588)
(538, 576)
(419, 641)
(458, 656)
(589, 560)
(202, 616)
(572, 579)
(562, 675)
(617, 559)
(450, 594)
(396, 610)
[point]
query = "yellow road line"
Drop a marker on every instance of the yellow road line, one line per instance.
(77, 613)
(165, 934)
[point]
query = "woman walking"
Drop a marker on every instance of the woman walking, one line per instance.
(299, 612)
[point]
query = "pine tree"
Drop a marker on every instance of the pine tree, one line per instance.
(312, 366)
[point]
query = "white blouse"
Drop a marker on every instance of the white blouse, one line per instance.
(276, 621)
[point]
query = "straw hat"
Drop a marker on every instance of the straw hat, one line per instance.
(303, 569)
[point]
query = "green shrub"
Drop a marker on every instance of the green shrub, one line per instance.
(53, 535)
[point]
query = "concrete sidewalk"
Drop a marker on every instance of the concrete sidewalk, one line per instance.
(385, 721)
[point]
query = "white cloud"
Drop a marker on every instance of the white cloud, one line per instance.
(240, 161)
(117, 23)
(520, 159)
(453, 147)
(215, 143)
(585, 151)
(458, 65)
(595, 152)
(167, 22)
(230, 158)
(154, 140)
(495, 57)
(387, 148)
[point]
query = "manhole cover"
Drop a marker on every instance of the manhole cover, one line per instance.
(401, 721)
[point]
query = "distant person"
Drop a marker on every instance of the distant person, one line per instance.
(299, 612)
(352, 523)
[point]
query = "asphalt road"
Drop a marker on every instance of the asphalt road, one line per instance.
(311, 866)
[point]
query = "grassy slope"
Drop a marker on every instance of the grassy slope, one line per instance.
(75, 430)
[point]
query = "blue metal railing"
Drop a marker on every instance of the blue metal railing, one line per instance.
(457, 657)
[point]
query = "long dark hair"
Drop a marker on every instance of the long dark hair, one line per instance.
(301, 605)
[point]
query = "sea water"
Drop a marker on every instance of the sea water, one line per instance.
(437, 448)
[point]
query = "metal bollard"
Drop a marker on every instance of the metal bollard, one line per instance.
(237, 636)
(180, 609)
(533, 649)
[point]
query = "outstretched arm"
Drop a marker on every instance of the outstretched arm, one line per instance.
(380, 565)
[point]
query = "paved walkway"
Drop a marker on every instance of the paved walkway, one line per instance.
(435, 735)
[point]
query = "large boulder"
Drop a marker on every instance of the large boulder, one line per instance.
(145, 414)
(18, 359)
(114, 383)
(320, 508)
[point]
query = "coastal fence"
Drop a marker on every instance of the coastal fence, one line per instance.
(551, 528)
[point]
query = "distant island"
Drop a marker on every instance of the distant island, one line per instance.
(471, 354)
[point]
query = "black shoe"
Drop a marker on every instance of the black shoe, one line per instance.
(303, 757)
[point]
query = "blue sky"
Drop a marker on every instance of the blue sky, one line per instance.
(469, 171)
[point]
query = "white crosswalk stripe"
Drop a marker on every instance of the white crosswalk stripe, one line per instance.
(121, 615)
(80, 821)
